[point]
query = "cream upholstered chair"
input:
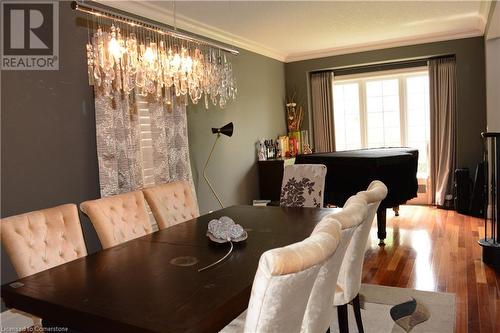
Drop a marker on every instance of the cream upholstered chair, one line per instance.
(303, 185)
(42, 239)
(171, 203)
(349, 280)
(283, 283)
(319, 310)
(118, 218)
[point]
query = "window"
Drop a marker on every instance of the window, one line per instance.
(382, 114)
(346, 117)
(146, 143)
(384, 109)
(146, 146)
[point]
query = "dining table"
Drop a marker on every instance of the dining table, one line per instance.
(153, 283)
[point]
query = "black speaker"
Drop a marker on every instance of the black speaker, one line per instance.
(477, 201)
(462, 190)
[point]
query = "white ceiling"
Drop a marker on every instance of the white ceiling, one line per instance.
(297, 30)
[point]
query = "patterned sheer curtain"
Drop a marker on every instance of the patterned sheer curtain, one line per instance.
(118, 146)
(118, 132)
(170, 142)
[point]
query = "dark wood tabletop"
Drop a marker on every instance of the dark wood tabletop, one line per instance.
(134, 287)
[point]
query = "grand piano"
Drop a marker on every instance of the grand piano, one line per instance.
(349, 172)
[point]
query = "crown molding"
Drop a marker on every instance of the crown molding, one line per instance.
(492, 30)
(154, 11)
(484, 13)
(161, 14)
(384, 45)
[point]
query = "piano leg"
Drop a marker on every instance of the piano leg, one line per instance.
(396, 210)
(381, 215)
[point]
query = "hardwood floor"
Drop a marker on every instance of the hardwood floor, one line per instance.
(436, 250)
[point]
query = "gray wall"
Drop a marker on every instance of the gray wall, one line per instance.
(257, 112)
(471, 94)
(48, 148)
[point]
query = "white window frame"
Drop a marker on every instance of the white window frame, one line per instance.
(361, 79)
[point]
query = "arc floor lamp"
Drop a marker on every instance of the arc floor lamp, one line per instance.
(228, 131)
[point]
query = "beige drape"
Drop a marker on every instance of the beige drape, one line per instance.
(322, 111)
(442, 77)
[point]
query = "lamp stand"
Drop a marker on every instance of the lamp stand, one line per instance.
(205, 169)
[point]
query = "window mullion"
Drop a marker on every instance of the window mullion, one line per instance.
(402, 111)
(362, 113)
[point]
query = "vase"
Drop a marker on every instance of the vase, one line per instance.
(298, 145)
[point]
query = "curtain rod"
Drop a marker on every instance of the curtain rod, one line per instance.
(367, 67)
(99, 10)
(376, 66)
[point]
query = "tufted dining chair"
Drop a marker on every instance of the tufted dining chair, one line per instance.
(171, 203)
(118, 218)
(349, 280)
(319, 311)
(303, 185)
(283, 283)
(42, 239)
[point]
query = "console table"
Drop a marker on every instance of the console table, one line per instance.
(271, 176)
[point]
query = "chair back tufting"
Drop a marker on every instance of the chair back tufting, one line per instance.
(171, 203)
(118, 218)
(42, 239)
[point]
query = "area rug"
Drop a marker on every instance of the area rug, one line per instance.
(434, 312)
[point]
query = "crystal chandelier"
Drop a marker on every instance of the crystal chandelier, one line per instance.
(125, 57)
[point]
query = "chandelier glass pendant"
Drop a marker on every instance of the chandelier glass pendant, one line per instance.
(125, 57)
